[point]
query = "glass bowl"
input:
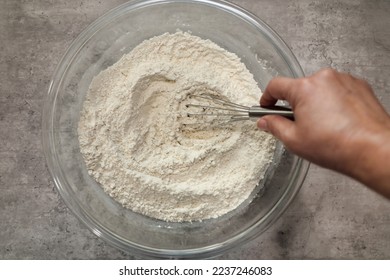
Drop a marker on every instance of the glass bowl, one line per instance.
(102, 44)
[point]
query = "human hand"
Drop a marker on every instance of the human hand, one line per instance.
(339, 124)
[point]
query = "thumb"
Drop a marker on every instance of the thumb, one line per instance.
(278, 126)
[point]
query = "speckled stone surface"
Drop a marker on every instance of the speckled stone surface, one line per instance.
(333, 217)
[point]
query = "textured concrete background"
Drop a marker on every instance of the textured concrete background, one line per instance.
(333, 217)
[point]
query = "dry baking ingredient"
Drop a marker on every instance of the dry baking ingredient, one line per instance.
(139, 144)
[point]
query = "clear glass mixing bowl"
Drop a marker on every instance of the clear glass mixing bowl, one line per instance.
(103, 43)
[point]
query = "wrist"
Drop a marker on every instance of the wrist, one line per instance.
(372, 163)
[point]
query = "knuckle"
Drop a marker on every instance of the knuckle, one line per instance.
(361, 82)
(273, 83)
(327, 73)
(305, 84)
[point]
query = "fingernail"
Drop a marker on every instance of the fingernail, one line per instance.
(262, 124)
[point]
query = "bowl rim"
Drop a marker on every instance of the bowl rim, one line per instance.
(60, 179)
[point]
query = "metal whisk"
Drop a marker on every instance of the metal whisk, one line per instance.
(228, 111)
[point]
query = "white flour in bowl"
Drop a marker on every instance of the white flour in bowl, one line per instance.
(139, 144)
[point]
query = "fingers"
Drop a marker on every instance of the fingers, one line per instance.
(278, 88)
(280, 127)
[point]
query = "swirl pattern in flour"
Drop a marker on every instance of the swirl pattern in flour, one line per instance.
(139, 144)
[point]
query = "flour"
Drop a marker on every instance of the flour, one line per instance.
(139, 144)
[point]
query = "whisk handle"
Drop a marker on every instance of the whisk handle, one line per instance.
(257, 112)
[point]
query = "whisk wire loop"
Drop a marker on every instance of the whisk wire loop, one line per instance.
(227, 111)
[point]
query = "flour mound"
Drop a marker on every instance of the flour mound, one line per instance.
(139, 144)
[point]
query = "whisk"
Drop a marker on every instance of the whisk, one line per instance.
(224, 110)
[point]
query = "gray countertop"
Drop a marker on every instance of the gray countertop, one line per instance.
(333, 217)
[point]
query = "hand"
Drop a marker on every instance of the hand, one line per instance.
(339, 124)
